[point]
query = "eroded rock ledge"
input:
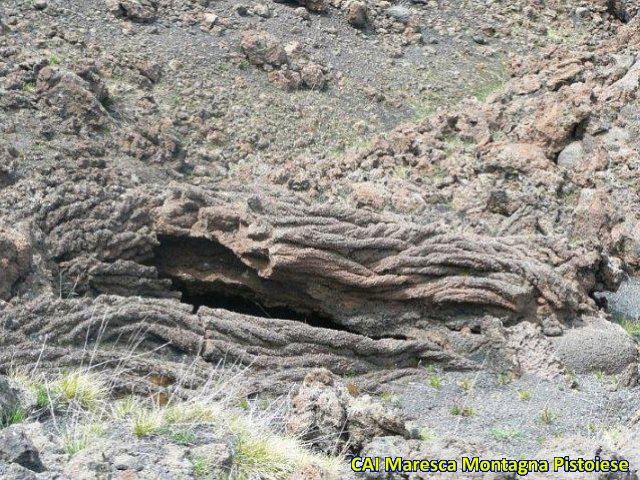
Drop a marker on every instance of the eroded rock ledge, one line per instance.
(508, 236)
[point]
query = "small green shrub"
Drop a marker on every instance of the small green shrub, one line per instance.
(525, 395)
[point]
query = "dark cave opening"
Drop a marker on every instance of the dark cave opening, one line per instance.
(208, 274)
(248, 304)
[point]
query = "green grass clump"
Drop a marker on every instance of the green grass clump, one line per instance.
(201, 467)
(387, 397)
(631, 326)
(261, 456)
(260, 453)
(14, 415)
(79, 436)
(184, 436)
(73, 443)
(435, 381)
(462, 410)
(548, 416)
(525, 395)
(29, 87)
(43, 395)
(126, 407)
(80, 387)
(192, 412)
(429, 368)
(259, 448)
(146, 422)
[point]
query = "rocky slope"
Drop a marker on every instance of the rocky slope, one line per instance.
(367, 187)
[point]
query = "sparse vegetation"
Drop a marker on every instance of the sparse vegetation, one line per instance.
(439, 172)
(483, 92)
(126, 407)
(571, 378)
(525, 395)
(80, 386)
(505, 378)
(351, 373)
(72, 443)
(631, 326)
(271, 457)
(17, 414)
(201, 467)
(193, 412)
(462, 410)
(43, 395)
(554, 36)
(386, 396)
(435, 381)
(183, 436)
(426, 434)
(82, 398)
(77, 436)
(146, 422)
(548, 416)
(505, 433)
(429, 368)
(466, 384)
(29, 87)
